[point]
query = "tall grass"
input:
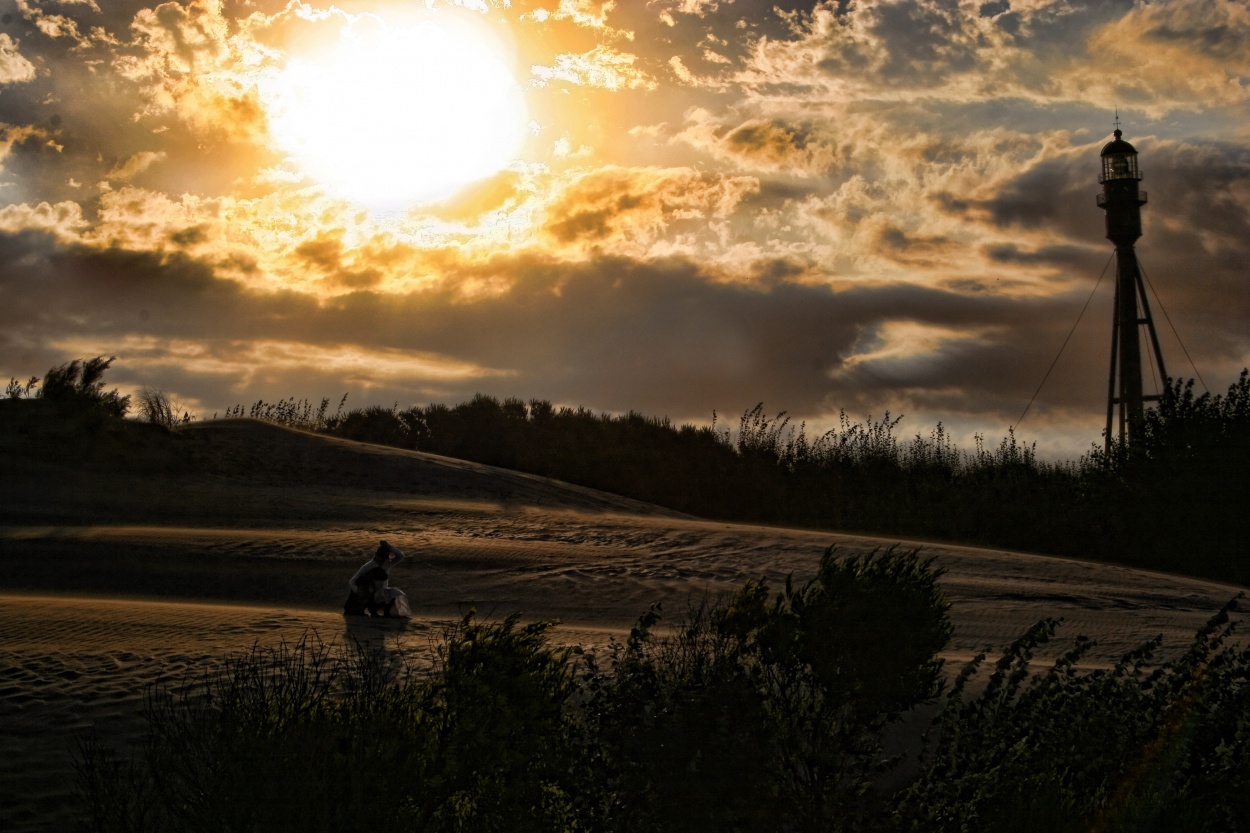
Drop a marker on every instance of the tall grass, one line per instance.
(764, 711)
(290, 412)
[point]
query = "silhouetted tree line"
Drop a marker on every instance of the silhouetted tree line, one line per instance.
(766, 711)
(1172, 498)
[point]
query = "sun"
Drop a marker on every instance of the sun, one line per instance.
(390, 117)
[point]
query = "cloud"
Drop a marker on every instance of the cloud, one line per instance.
(186, 61)
(1180, 55)
(762, 145)
(256, 363)
(910, 248)
(592, 13)
(55, 25)
(602, 67)
(64, 220)
(633, 209)
(666, 337)
(136, 164)
(1171, 55)
(14, 69)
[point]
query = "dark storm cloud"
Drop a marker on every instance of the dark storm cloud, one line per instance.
(1055, 194)
(619, 334)
(1195, 246)
(48, 290)
(1059, 256)
(916, 249)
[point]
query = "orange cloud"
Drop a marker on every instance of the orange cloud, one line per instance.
(634, 207)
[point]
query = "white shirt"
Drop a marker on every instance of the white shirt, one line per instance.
(392, 558)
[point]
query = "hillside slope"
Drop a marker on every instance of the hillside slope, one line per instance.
(74, 468)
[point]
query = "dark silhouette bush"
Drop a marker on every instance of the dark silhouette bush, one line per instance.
(374, 424)
(1116, 750)
(78, 386)
(766, 712)
(304, 738)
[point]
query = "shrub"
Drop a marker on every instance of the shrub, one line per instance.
(766, 712)
(373, 424)
(21, 390)
(681, 732)
(502, 754)
(155, 407)
(304, 737)
(80, 385)
(1115, 750)
(758, 713)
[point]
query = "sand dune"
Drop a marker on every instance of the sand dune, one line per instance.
(233, 532)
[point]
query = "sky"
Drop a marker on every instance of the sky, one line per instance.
(675, 207)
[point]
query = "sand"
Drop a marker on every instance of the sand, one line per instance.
(203, 543)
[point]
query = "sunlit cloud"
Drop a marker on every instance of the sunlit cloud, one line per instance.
(600, 67)
(633, 210)
(242, 362)
(136, 164)
(904, 346)
(64, 220)
(14, 69)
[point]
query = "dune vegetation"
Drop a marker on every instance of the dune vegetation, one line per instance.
(1170, 499)
(765, 711)
(1147, 503)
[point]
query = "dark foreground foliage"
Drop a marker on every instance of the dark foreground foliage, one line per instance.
(762, 712)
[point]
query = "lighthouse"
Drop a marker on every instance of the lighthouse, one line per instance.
(1122, 199)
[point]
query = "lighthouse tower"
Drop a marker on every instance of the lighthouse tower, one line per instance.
(1122, 200)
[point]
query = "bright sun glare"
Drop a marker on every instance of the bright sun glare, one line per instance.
(389, 117)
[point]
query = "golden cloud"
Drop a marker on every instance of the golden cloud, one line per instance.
(760, 144)
(602, 67)
(56, 25)
(632, 208)
(64, 220)
(246, 363)
(14, 69)
(136, 164)
(895, 341)
(186, 59)
(1186, 54)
